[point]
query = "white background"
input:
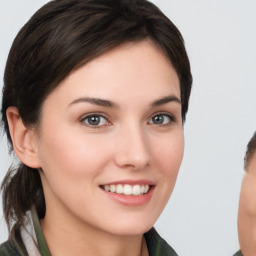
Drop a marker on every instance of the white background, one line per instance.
(220, 36)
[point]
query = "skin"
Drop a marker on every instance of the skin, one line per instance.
(76, 157)
(247, 211)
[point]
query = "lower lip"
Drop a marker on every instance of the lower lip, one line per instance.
(131, 200)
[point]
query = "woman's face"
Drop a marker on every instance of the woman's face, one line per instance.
(111, 141)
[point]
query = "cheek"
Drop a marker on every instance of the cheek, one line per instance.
(71, 163)
(72, 152)
(168, 157)
(247, 204)
(247, 215)
(169, 154)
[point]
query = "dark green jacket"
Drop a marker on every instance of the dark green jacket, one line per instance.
(15, 247)
(239, 253)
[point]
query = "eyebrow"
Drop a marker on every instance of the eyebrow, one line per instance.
(96, 101)
(165, 100)
(111, 104)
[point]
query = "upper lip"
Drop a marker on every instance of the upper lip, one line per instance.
(131, 182)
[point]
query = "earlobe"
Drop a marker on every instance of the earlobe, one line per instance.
(23, 139)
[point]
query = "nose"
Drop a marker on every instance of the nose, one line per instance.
(132, 149)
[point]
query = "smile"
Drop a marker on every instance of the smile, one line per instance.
(126, 189)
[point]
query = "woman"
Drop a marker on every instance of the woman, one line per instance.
(94, 100)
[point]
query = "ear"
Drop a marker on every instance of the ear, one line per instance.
(23, 139)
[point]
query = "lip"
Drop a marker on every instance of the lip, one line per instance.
(131, 200)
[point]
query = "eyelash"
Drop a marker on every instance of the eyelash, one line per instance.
(171, 119)
(84, 120)
(95, 115)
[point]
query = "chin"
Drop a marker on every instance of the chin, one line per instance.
(132, 227)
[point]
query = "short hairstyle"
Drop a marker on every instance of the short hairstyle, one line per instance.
(250, 151)
(59, 38)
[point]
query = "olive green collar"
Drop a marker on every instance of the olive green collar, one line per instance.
(42, 245)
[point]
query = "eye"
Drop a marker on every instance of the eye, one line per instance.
(95, 120)
(162, 119)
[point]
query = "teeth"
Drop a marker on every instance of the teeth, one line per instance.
(119, 189)
(127, 189)
(112, 188)
(136, 190)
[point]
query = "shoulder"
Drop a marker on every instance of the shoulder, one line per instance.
(157, 246)
(239, 253)
(9, 248)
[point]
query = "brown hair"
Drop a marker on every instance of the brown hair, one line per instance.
(250, 151)
(60, 37)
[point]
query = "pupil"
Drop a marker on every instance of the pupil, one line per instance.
(158, 119)
(94, 120)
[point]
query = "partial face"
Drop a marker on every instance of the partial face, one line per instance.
(111, 141)
(247, 210)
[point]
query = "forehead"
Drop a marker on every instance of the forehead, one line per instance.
(139, 69)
